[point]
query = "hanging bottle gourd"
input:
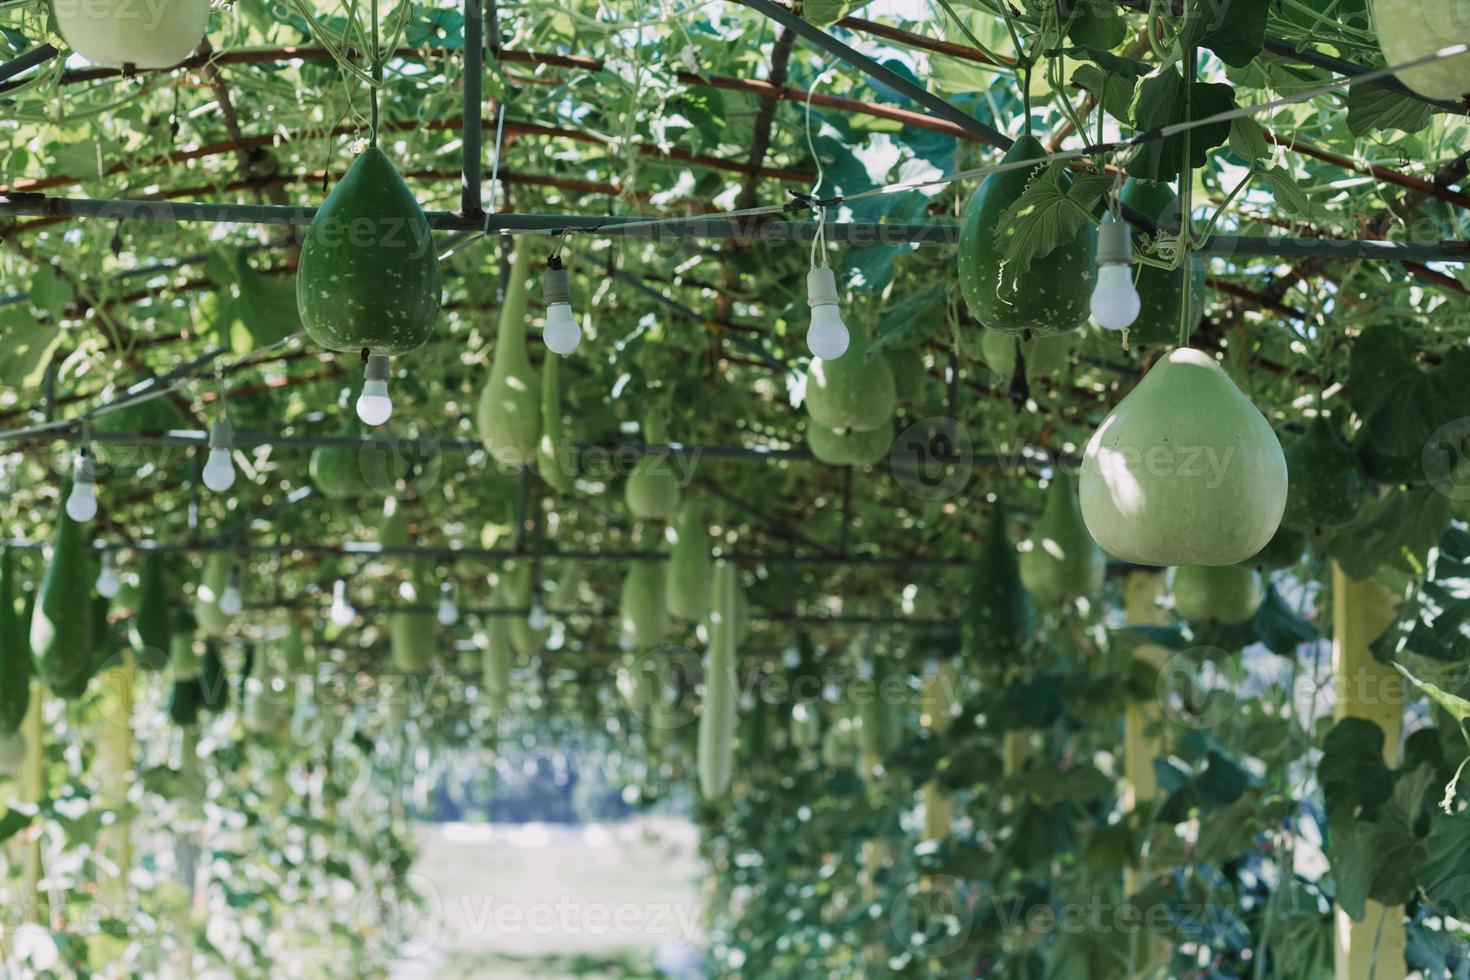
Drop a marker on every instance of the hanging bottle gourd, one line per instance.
(718, 716)
(61, 623)
(690, 567)
(652, 491)
(509, 412)
(132, 33)
(1060, 561)
(15, 671)
(554, 457)
(368, 279)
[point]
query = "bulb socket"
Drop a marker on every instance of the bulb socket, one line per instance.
(556, 287)
(86, 470)
(222, 434)
(1114, 242)
(377, 368)
(821, 287)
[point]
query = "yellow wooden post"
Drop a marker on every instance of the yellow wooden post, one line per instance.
(1142, 738)
(1367, 689)
(115, 771)
(32, 790)
(939, 694)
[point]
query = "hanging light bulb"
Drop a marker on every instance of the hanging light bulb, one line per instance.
(230, 602)
(562, 333)
(827, 338)
(537, 619)
(341, 613)
(374, 406)
(107, 582)
(219, 469)
(81, 505)
(448, 612)
(1115, 302)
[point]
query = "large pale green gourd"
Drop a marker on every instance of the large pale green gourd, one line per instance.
(116, 33)
(853, 392)
(213, 622)
(1060, 561)
(554, 455)
(848, 448)
(61, 623)
(1054, 294)
(1228, 594)
(413, 633)
(509, 412)
(652, 490)
(1412, 29)
(643, 607)
(716, 750)
(689, 571)
(369, 277)
(1185, 471)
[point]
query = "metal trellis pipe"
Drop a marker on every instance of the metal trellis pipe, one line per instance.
(470, 201)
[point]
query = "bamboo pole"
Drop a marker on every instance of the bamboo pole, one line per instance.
(33, 790)
(1373, 949)
(115, 773)
(938, 713)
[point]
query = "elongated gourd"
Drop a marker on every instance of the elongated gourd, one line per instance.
(121, 33)
(265, 707)
(554, 456)
(212, 621)
(1060, 561)
(413, 633)
(368, 278)
(690, 569)
(15, 654)
(652, 490)
(509, 413)
(61, 623)
(496, 660)
(1000, 615)
(881, 726)
(1184, 471)
(187, 696)
(717, 719)
(148, 627)
(521, 592)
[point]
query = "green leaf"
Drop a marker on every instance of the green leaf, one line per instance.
(909, 321)
(1398, 530)
(825, 12)
(1458, 707)
(1352, 771)
(1288, 193)
(50, 294)
(1248, 140)
(1049, 214)
(1444, 875)
(1435, 623)
(1097, 27)
(25, 348)
(1279, 627)
(1233, 29)
(1402, 404)
(1113, 91)
(1372, 109)
(1160, 102)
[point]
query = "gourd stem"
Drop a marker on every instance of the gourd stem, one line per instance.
(1186, 191)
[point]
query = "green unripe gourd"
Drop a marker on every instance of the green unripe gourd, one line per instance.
(882, 722)
(689, 571)
(266, 711)
(15, 653)
(1326, 485)
(718, 717)
(1411, 30)
(1052, 296)
(496, 661)
(652, 490)
(1184, 471)
(554, 456)
(61, 623)
(1060, 561)
(509, 412)
(848, 448)
(643, 607)
(1000, 615)
(1284, 550)
(909, 374)
(1161, 290)
(187, 697)
(413, 634)
(520, 591)
(149, 626)
(369, 277)
(853, 393)
(1227, 594)
(213, 622)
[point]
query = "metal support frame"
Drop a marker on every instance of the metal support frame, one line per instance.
(713, 228)
(35, 56)
(470, 199)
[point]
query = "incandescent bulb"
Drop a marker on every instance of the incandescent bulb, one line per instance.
(341, 613)
(230, 602)
(374, 406)
(107, 583)
(81, 505)
(562, 333)
(219, 471)
(538, 620)
(1115, 301)
(827, 338)
(448, 612)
